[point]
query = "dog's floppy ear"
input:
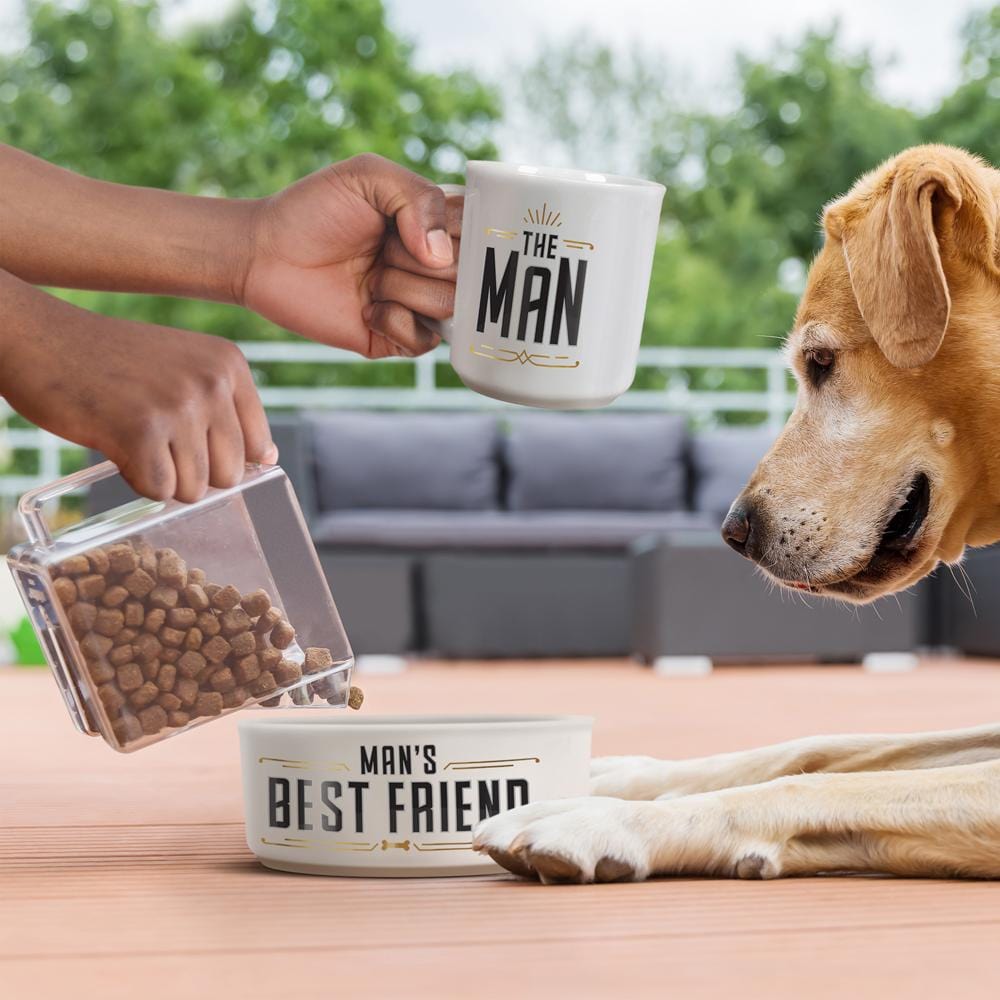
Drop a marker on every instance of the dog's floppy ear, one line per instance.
(891, 240)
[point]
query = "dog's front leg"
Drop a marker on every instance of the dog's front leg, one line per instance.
(649, 778)
(943, 822)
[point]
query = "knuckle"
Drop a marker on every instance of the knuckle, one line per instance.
(150, 476)
(145, 425)
(366, 162)
(231, 356)
(444, 298)
(431, 200)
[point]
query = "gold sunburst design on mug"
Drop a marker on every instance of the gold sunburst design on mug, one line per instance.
(543, 216)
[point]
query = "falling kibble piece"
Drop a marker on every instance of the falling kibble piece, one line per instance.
(355, 697)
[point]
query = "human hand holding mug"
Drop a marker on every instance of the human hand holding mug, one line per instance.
(552, 282)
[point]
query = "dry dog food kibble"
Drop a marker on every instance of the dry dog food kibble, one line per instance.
(165, 646)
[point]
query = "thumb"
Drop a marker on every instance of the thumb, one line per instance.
(417, 205)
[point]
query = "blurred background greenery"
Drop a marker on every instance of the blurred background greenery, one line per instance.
(269, 92)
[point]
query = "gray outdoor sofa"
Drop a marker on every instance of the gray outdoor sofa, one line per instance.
(531, 534)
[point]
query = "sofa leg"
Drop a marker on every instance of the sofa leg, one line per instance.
(682, 666)
(889, 663)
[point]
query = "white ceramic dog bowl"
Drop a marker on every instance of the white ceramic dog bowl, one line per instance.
(398, 795)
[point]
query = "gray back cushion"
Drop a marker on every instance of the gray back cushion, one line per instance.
(722, 461)
(440, 461)
(596, 462)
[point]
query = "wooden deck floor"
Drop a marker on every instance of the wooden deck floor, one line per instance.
(128, 877)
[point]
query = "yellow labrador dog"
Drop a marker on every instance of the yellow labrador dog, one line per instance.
(889, 464)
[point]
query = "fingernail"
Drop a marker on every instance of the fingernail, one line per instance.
(366, 312)
(439, 245)
(270, 456)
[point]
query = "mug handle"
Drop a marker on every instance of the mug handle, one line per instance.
(442, 328)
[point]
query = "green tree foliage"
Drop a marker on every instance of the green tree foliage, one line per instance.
(745, 188)
(971, 116)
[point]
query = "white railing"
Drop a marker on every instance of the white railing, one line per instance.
(774, 401)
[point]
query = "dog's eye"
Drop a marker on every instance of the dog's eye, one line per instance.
(819, 363)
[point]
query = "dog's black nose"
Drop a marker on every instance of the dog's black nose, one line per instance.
(738, 526)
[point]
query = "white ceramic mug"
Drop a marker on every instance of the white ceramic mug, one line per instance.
(397, 795)
(552, 281)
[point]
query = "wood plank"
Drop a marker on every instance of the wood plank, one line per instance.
(129, 876)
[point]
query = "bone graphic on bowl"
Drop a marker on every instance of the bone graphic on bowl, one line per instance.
(403, 845)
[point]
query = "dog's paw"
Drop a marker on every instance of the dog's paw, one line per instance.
(570, 840)
(637, 778)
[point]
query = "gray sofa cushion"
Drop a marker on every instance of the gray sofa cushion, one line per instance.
(435, 529)
(722, 462)
(446, 461)
(606, 462)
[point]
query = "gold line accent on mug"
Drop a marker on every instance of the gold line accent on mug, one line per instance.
(464, 765)
(504, 234)
(578, 244)
(333, 765)
(507, 355)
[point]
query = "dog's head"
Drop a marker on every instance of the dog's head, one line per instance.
(890, 461)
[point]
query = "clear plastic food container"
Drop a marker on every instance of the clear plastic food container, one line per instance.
(159, 616)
